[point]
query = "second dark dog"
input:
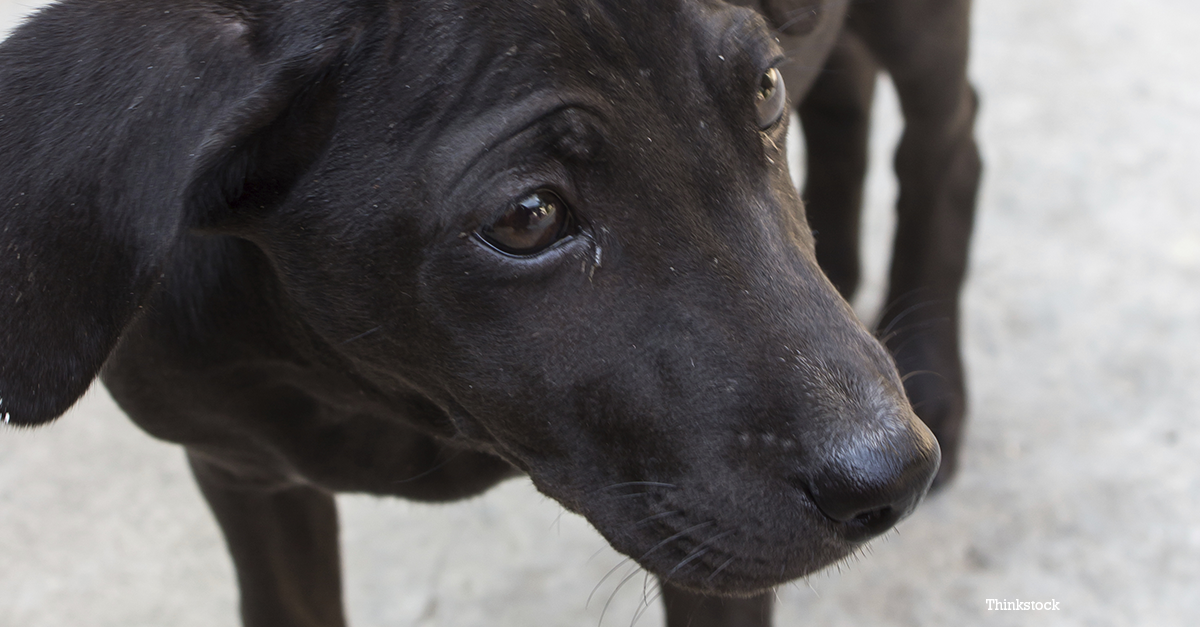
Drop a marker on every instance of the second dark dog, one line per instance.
(414, 248)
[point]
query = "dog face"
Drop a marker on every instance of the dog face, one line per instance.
(569, 226)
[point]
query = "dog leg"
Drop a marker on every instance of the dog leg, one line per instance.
(923, 44)
(284, 544)
(688, 609)
(836, 119)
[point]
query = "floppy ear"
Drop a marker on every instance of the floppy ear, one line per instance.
(122, 127)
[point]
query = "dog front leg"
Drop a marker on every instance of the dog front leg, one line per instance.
(688, 609)
(923, 45)
(284, 544)
(836, 116)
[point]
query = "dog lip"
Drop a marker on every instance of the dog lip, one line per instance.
(730, 573)
(710, 555)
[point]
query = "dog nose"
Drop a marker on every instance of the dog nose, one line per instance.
(876, 479)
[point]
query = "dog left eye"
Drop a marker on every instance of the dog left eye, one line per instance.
(771, 99)
(530, 225)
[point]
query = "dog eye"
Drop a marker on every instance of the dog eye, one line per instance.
(529, 226)
(771, 99)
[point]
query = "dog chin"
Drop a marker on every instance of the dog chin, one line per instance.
(740, 592)
(732, 570)
(751, 581)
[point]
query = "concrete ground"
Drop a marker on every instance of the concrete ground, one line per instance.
(1082, 463)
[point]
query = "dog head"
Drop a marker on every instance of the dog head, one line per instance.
(567, 225)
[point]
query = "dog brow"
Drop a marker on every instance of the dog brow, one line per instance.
(748, 32)
(601, 33)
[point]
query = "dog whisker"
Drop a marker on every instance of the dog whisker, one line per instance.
(627, 559)
(898, 348)
(689, 559)
(645, 606)
(656, 517)
(558, 521)
(921, 372)
(909, 327)
(847, 561)
(803, 13)
(631, 494)
(675, 537)
(644, 484)
(903, 298)
(720, 568)
(361, 335)
(598, 551)
(808, 582)
(909, 310)
(699, 551)
(614, 594)
(605, 577)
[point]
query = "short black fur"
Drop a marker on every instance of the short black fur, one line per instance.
(254, 219)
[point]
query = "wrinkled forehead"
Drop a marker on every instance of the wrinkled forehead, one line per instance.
(612, 46)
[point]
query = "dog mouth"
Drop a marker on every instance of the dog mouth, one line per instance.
(672, 532)
(709, 557)
(752, 522)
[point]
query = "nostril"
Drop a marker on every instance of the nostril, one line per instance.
(868, 488)
(871, 523)
(872, 517)
(864, 508)
(858, 519)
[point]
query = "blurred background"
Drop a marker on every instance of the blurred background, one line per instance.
(1080, 479)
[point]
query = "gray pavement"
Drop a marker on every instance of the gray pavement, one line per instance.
(1081, 470)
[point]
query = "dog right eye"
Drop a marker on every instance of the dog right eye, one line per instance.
(771, 99)
(529, 226)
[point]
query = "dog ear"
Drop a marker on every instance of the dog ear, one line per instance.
(121, 128)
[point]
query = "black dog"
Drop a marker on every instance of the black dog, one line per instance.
(413, 248)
